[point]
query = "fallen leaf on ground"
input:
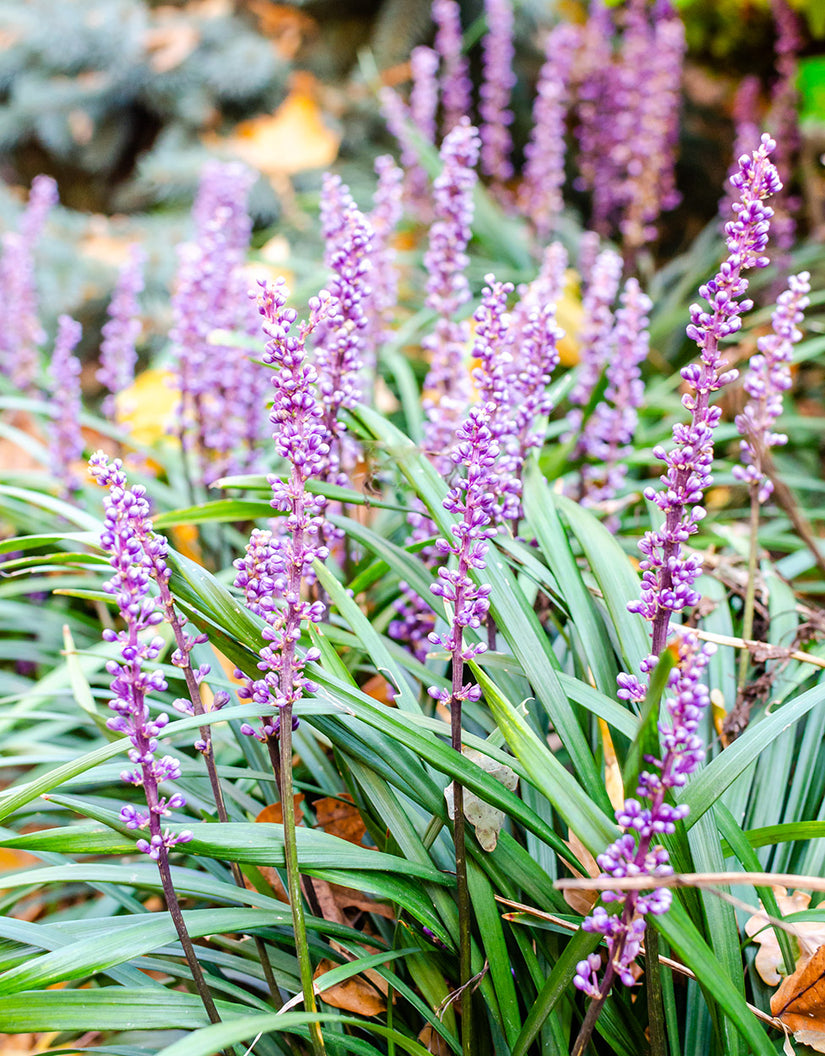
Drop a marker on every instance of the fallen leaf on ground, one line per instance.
(800, 1002)
(147, 408)
(433, 1042)
(338, 816)
(811, 935)
(293, 139)
(364, 994)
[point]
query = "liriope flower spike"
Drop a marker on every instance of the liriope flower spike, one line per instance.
(64, 374)
(767, 378)
(126, 528)
(120, 332)
(668, 573)
(636, 852)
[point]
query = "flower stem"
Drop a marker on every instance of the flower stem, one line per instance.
(175, 913)
(293, 876)
(750, 591)
(194, 691)
(465, 969)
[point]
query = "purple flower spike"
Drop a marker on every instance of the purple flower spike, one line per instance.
(768, 377)
(222, 389)
(456, 85)
(609, 431)
(67, 439)
(21, 334)
(746, 126)
(383, 299)
(446, 388)
(472, 498)
(272, 573)
(668, 574)
(540, 194)
(636, 852)
(496, 86)
(342, 335)
(424, 92)
(118, 355)
(594, 340)
(645, 149)
(127, 527)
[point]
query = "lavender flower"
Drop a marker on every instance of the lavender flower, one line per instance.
(540, 194)
(342, 334)
(768, 376)
(597, 325)
(275, 566)
(424, 91)
(517, 354)
(596, 113)
(118, 355)
(383, 298)
(126, 526)
(609, 431)
(222, 390)
(536, 335)
(446, 387)
(635, 852)
(21, 334)
(455, 83)
(645, 149)
(67, 439)
(668, 573)
(746, 129)
(472, 498)
(784, 120)
(496, 86)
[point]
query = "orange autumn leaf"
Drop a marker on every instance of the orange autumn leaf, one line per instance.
(810, 934)
(147, 408)
(338, 816)
(581, 901)
(293, 139)
(363, 994)
(274, 812)
(800, 1002)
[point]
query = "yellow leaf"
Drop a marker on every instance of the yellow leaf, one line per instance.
(293, 139)
(147, 407)
(612, 771)
(569, 317)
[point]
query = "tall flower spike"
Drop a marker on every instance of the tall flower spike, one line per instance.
(222, 389)
(746, 131)
(383, 298)
(276, 566)
(540, 194)
(636, 852)
(472, 498)
(496, 87)
(126, 524)
(783, 119)
(455, 83)
(768, 377)
(668, 573)
(127, 531)
(596, 113)
(653, 53)
(64, 372)
(118, 355)
(446, 387)
(609, 431)
(597, 324)
(21, 334)
(341, 336)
